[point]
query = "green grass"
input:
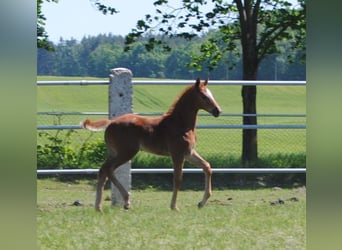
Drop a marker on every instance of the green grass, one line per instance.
(270, 99)
(232, 219)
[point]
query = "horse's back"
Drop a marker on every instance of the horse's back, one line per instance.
(135, 131)
(127, 125)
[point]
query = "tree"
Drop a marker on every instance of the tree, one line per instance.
(42, 36)
(174, 63)
(67, 58)
(258, 25)
(46, 62)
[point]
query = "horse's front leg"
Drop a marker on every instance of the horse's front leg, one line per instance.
(196, 159)
(177, 179)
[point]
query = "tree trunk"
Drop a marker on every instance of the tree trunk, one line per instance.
(248, 23)
(249, 136)
(250, 68)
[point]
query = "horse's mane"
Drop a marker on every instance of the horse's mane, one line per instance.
(176, 101)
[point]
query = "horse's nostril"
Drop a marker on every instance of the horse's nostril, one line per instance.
(216, 112)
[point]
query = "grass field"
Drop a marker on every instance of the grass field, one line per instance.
(270, 100)
(232, 219)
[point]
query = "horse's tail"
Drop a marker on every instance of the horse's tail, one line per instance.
(98, 125)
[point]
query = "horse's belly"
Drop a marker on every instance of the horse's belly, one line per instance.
(154, 149)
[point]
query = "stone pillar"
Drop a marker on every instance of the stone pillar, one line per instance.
(120, 102)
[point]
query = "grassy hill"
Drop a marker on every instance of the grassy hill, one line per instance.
(270, 99)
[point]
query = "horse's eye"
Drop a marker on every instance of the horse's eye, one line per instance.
(203, 96)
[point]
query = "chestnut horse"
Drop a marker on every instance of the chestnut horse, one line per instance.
(172, 134)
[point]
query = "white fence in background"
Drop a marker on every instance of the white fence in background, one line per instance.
(181, 82)
(185, 170)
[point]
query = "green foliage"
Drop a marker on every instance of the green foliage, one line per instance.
(59, 152)
(94, 56)
(291, 160)
(92, 154)
(104, 8)
(258, 25)
(42, 36)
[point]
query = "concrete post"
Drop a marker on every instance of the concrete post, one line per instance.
(120, 102)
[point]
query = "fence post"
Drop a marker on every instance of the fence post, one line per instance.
(120, 102)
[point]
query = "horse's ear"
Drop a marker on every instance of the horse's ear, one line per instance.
(206, 81)
(198, 82)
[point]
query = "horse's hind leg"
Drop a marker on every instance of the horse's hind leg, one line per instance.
(196, 159)
(101, 180)
(107, 171)
(124, 193)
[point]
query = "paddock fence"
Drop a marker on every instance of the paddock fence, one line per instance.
(296, 123)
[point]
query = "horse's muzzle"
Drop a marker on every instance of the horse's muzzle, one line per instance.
(216, 112)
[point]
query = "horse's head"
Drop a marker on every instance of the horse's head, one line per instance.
(206, 99)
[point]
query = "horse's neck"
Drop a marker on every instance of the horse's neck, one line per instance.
(184, 113)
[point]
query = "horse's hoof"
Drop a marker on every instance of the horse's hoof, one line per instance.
(98, 209)
(126, 207)
(200, 205)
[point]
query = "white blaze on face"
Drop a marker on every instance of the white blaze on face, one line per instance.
(210, 94)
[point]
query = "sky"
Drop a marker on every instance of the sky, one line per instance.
(79, 18)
